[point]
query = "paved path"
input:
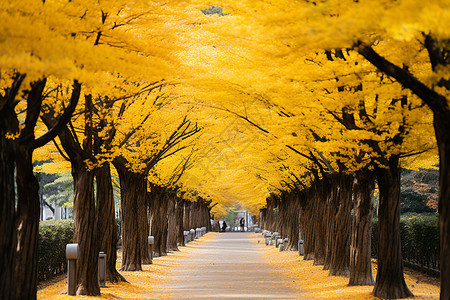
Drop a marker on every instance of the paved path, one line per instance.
(228, 266)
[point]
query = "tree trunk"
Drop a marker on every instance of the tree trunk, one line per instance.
(28, 210)
(186, 214)
(331, 209)
(340, 255)
(159, 220)
(390, 282)
(144, 230)
(194, 215)
(129, 189)
(85, 229)
(107, 235)
(320, 224)
(172, 232)
(360, 249)
(179, 208)
(441, 126)
(7, 211)
(307, 224)
(262, 216)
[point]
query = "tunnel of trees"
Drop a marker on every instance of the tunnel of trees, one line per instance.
(306, 114)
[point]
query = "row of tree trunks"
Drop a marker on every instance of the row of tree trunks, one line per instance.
(170, 216)
(325, 222)
(322, 215)
(290, 219)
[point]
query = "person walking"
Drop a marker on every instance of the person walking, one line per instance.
(224, 226)
(242, 222)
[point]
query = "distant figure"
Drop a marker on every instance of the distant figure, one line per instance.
(242, 222)
(224, 226)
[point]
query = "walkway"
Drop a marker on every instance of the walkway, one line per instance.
(228, 266)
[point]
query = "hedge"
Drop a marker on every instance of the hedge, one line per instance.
(419, 240)
(51, 252)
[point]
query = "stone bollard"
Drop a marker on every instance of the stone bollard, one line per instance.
(278, 242)
(257, 230)
(300, 248)
(186, 236)
(102, 269)
(267, 236)
(197, 232)
(203, 230)
(72, 256)
(151, 242)
(192, 234)
(274, 238)
(282, 246)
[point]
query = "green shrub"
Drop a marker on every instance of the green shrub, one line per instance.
(419, 240)
(54, 235)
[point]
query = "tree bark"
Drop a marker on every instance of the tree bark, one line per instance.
(320, 224)
(179, 219)
(172, 232)
(7, 208)
(441, 126)
(130, 187)
(144, 230)
(159, 219)
(340, 255)
(331, 208)
(307, 224)
(28, 210)
(360, 249)
(390, 282)
(85, 229)
(107, 235)
(186, 214)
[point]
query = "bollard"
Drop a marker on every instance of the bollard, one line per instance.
(300, 248)
(273, 240)
(278, 241)
(151, 242)
(72, 256)
(102, 269)
(267, 236)
(203, 230)
(192, 234)
(186, 236)
(197, 233)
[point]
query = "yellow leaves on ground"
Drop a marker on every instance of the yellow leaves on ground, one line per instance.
(314, 282)
(145, 284)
